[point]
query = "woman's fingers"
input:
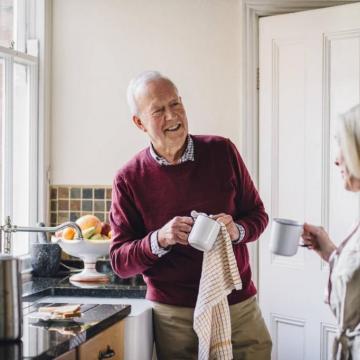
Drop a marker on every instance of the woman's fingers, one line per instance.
(312, 229)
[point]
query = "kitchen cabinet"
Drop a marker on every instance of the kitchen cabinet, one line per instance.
(109, 344)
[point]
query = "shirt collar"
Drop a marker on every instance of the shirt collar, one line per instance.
(188, 154)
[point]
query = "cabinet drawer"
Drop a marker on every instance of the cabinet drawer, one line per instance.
(103, 345)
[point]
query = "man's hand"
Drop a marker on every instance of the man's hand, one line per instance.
(175, 231)
(228, 221)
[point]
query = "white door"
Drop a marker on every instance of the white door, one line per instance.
(309, 72)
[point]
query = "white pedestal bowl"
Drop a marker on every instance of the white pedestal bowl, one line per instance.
(88, 251)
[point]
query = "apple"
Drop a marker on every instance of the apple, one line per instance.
(105, 228)
(88, 221)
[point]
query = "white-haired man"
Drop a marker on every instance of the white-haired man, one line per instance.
(153, 195)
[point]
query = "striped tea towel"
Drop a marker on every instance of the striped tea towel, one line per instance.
(219, 276)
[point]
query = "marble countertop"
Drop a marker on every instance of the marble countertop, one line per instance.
(46, 340)
(39, 287)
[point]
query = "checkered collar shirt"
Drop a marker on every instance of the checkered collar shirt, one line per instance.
(188, 154)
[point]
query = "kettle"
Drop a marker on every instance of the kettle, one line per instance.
(10, 298)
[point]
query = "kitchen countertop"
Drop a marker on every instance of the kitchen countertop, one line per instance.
(45, 340)
(39, 287)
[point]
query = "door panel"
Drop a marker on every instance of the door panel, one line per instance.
(309, 73)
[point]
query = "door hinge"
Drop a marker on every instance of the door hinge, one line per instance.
(257, 78)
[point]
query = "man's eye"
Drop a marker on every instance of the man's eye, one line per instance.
(175, 103)
(158, 111)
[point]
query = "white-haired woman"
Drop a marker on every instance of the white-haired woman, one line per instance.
(344, 260)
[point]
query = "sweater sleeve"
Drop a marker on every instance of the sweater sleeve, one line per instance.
(250, 208)
(130, 250)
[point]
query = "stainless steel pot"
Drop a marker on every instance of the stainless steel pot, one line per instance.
(10, 298)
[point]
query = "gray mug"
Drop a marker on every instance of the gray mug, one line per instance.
(285, 235)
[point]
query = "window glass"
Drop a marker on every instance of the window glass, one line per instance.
(21, 156)
(6, 22)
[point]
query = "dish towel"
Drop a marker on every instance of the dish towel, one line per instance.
(219, 276)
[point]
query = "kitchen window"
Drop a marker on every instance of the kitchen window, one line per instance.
(19, 128)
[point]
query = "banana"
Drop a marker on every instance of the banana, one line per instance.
(96, 237)
(89, 232)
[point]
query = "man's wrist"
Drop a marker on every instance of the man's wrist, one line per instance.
(161, 243)
(156, 249)
(241, 234)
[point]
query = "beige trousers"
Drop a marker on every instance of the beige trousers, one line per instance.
(175, 338)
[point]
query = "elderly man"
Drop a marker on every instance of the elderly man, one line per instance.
(153, 195)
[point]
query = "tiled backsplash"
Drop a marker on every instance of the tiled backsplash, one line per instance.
(69, 202)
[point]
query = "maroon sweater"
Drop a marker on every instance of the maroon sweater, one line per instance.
(147, 195)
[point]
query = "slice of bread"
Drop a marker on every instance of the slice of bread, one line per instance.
(64, 310)
(69, 315)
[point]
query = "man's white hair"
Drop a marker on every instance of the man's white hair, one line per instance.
(348, 133)
(138, 83)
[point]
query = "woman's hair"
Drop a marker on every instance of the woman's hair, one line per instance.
(138, 83)
(348, 134)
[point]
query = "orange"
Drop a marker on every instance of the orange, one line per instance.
(68, 233)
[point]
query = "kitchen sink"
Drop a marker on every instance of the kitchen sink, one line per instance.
(138, 341)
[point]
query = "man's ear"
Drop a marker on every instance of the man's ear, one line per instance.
(137, 121)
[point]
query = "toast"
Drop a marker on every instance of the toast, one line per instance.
(64, 311)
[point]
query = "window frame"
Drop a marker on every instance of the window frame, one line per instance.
(6, 207)
(35, 32)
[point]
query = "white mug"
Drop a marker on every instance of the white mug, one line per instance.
(204, 233)
(285, 235)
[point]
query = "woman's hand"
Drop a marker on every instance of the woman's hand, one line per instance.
(316, 238)
(228, 221)
(175, 231)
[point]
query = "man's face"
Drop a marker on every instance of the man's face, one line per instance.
(161, 115)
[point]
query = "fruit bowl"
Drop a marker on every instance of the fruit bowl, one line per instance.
(88, 251)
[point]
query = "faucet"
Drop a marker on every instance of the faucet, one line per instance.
(8, 229)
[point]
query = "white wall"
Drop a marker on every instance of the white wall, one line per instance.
(99, 45)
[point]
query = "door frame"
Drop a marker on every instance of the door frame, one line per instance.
(251, 11)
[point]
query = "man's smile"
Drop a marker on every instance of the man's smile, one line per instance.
(174, 128)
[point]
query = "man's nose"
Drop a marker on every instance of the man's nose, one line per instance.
(169, 113)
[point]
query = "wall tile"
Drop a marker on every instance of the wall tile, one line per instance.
(68, 203)
(99, 205)
(63, 205)
(87, 205)
(99, 193)
(53, 193)
(75, 205)
(75, 193)
(108, 193)
(63, 193)
(87, 193)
